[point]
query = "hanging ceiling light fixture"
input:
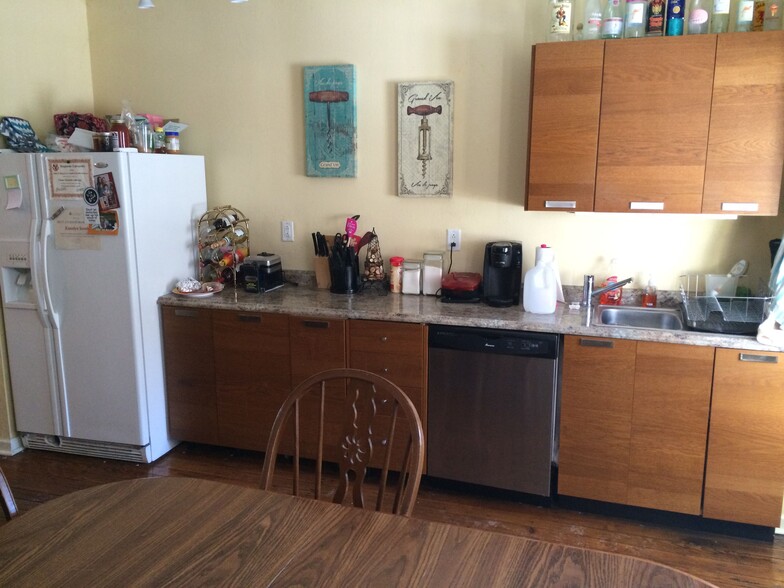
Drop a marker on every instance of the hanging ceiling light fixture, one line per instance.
(145, 4)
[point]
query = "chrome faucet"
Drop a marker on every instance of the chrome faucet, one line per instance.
(589, 292)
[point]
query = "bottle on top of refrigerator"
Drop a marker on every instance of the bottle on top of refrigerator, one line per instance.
(757, 21)
(772, 16)
(592, 25)
(612, 20)
(634, 25)
(698, 17)
(560, 14)
(612, 297)
(654, 23)
(720, 16)
(675, 10)
(745, 16)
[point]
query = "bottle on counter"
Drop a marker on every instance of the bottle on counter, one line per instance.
(745, 16)
(720, 16)
(636, 14)
(560, 16)
(540, 288)
(649, 294)
(592, 23)
(654, 22)
(699, 18)
(675, 10)
(612, 297)
(612, 20)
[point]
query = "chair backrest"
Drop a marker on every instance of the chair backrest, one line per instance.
(7, 498)
(361, 421)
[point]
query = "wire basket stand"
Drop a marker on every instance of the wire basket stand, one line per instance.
(721, 314)
(223, 244)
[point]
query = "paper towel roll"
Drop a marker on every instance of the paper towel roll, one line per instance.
(545, 253)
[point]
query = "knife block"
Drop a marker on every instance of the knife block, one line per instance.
(321, 265)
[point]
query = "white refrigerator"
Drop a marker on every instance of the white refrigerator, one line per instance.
(88, 242)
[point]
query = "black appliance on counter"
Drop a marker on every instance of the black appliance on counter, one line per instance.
(260, 273)
(503, 273)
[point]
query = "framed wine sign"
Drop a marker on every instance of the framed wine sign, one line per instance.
(425, 139)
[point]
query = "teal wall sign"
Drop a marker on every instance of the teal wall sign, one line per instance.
(330, 121)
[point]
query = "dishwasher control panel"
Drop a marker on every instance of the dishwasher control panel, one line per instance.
(544, 345)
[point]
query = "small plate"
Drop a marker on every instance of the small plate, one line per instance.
(207, 289)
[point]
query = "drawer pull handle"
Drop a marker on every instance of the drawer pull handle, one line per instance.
(758, 358)
(315, 324)
(596, 343)
(186, 312)
(384, 339)
(248, 318)
(385, 370)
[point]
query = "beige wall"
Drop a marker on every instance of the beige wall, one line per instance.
(234, 73)
(45, 69)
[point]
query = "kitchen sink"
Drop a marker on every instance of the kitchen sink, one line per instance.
(639, 317)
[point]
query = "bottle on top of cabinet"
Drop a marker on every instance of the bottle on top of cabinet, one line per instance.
(612, 20)
(636, 13)
(592, 23)
(699, 17)
(720, 16)
(560, 16)
(675, 10)
(654, 21)
(745, 16)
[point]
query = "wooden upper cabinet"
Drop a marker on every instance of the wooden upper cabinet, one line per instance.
(746, 144)
(566, 90)
(653, 136)
(744, 475)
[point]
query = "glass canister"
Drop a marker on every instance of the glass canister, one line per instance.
(432, 271)
(412, 276)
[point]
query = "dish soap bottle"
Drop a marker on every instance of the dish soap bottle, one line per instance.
(612, 297)
(649, 294)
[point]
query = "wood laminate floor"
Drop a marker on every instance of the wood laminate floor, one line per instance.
(38, 476)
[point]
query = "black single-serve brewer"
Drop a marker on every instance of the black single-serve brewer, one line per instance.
(503, 273)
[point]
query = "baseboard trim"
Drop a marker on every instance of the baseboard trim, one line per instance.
(11, 446)
(780, 530)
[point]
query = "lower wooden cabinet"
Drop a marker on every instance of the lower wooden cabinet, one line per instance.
(634, 422)
(744, 477)
(190, 374)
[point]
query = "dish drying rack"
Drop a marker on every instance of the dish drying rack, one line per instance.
(736, 315)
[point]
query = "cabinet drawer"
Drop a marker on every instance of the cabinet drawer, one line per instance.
(386, 337)
(403, 370)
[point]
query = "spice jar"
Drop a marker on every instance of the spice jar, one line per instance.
(395, 274)
(172, 142)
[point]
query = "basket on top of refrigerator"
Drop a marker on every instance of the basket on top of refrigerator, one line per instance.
(711, 305)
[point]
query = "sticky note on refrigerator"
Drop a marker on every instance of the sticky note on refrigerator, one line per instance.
(14, 199)
(12, 182)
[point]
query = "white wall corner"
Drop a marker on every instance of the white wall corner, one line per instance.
(14, 445)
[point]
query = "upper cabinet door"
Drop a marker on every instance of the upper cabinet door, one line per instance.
(653, 138)
(746, 145)
(565, 99)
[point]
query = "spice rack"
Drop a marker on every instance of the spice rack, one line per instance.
(224, 239)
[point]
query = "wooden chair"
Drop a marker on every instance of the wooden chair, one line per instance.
(7, 498)
(357, 419)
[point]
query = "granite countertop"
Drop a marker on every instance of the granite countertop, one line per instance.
(305, 300)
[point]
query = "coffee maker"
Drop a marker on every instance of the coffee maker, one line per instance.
(503, 273)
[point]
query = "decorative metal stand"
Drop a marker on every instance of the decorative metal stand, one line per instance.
(224, 239)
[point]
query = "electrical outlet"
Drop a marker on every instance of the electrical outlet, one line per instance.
(286, 230)
(453, 236)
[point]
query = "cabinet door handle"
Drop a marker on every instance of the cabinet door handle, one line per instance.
(758, 358)
(597, 343)
(568, 204)
(646, 205)
(739, 207)
(315, 324)
(185, 312)
(248, 318)
(384, 339)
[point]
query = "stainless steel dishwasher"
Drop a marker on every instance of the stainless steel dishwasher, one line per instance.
(492, 407)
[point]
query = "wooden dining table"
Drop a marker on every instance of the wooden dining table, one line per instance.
(190, 532)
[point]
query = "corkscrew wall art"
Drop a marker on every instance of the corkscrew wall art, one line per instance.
(330, 121)
(425, 139)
